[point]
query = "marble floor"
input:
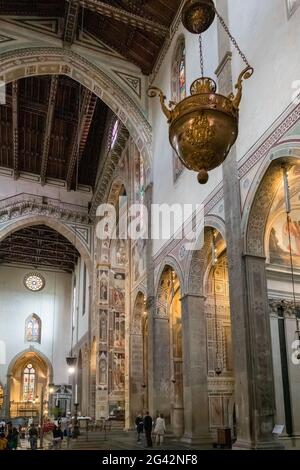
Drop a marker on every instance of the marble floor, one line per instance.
(120, 440)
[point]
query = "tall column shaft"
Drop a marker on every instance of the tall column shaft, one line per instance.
(196, 416)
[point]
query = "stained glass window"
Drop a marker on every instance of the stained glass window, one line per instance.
(29, 378)
(1, 396)
(114, 133)
(178, 91)
(34, 282)
(33, 329)
(182, 82)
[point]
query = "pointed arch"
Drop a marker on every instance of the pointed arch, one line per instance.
(255, 219)
(60, 227)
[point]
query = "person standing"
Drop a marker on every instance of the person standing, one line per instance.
(12, 439)
(148, 429)
(159, 430)
(3, 441)
(33, 437)
(139, 427)
(57, 437)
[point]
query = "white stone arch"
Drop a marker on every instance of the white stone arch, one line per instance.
(279, 155)
(264, 190)
(197, 259)
(22, 63)
(169, 261)
(55, 224)
(137, 310)
(38, 353)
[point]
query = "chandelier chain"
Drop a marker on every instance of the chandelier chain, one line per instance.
(201, 55)
(233, 40)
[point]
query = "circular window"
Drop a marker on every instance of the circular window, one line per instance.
(34, 282)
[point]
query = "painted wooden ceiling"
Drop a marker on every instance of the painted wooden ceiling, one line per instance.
(53, 127)
(136, 29)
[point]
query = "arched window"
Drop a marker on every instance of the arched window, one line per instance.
(114, 133)
(178, 88)
(29, 379)
(33, 329)
(179, 72)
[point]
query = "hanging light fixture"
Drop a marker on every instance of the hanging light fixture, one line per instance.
(204, 126)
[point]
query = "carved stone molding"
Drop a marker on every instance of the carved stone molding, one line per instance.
(287, 306)
(197, 268)
(108, 172)
(35, 206)
(260, 210)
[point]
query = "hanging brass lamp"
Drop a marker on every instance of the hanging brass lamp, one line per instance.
(204, 126)
(198, 15)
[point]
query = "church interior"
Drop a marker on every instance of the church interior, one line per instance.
(102, 109)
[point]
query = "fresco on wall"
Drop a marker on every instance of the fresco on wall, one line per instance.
(103, 286)
(119, 330)
(103, 326)
(120, 252)
(103, 369)
(118, 292)
(279, 245)
(138, 259)
(119, 372)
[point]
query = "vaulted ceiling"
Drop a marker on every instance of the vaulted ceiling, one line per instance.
(136, 29)
(52, 127)
(40, 247)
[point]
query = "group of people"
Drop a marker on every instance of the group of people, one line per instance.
(9, 437)
(147, 425)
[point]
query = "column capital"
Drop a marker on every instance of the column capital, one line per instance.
(194, 296)
(252, 256)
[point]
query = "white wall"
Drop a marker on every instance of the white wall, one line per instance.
(52, 305)
(10, 187)
(271, 42)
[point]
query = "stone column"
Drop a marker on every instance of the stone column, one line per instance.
(7, 396)
(254, 393)
(161, 366)
(150, 303)
(196, 416)
(253, 370)
(150, 308)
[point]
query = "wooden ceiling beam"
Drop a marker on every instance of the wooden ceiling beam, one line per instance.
(124, 16)
(34, 237)
(16, 254)
(71, 22)
(42, 248)
(15, 128)
(65, 267)
(49, 127)
(89, 101)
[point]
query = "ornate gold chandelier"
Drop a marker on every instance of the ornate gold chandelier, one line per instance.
(204, 126)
